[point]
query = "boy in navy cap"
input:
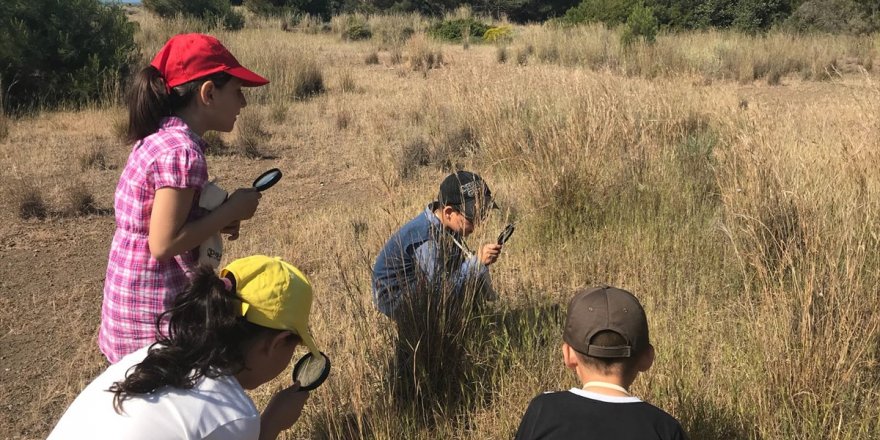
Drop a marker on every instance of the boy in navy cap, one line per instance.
(606, 344)
(429, 253)
(431, 285)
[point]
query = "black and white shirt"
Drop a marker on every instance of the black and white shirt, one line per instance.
(579, 414)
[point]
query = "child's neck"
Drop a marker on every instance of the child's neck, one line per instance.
(607, 384)
(187, 114)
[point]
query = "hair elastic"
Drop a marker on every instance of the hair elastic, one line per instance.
(228, 283)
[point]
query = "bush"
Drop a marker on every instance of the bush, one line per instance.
(455, 30)
(372, 57)
(308, 79)
(357, 31)
(352, 27)
(218, 11)
(288, 7)
(252, 136)
(832, 16)
(610, 12)
(54, 52)
(641, 24)
(498, 34)
(80, 201)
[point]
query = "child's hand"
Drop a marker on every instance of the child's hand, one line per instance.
(489, 253)
(231, 230)
(244, 202)
(282, 411)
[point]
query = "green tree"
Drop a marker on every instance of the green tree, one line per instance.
(210, 10)
(835, 16)
(610, 12)
(278, 7)
(62, 51)
(760, 15)
(641, 24)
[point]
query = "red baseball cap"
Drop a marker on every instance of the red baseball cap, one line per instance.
(186, 57)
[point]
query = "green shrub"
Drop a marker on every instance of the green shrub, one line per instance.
(455, 30)
(498, 34)
(610, 12)
(288, 7)
(54, 52)
(357, 31)
(218, 11)
(833, 16)
(641, 24)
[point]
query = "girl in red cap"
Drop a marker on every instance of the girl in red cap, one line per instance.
(192, 85)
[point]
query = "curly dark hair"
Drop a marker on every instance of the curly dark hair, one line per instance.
(206, 337)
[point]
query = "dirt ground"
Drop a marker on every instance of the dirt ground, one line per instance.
(52, 274)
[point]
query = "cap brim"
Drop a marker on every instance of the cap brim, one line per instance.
(308, 341)
(470, 211)
(247, 77)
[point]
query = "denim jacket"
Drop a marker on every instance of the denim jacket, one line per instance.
(422, 250)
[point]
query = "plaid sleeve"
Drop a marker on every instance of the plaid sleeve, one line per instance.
(180, 168)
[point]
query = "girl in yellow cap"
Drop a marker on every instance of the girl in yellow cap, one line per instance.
(225, 334)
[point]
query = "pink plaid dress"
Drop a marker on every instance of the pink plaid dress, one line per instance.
(137, 287)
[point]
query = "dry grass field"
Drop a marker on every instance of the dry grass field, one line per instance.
(735, 191)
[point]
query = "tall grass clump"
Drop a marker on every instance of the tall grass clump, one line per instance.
(252, 135)
(27, 198)
(501, 54)
(351, 27)
(96, 158)
(347, 83)
(80, 201)
(308, 79)
(422, 55)
(395, 29)
(372, 57)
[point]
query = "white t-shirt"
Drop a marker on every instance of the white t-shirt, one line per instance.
(214, 409)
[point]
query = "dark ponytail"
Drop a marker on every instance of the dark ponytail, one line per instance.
(202, 334)
(149, 100)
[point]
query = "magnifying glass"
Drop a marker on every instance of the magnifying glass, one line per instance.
(506, 233)
(267, 179)
(311, 371)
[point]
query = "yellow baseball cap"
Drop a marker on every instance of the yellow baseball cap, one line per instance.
(273, 294)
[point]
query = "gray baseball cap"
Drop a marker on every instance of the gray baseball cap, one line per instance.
(600, 308)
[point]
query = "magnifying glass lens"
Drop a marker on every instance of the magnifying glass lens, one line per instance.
(267, 179)
(311, 371)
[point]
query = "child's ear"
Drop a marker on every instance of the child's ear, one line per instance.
(647, 359)
(281, 341)
(569, 357)
(206, 92)
(447, 212)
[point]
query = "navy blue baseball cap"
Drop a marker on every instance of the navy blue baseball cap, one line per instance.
(468, 193)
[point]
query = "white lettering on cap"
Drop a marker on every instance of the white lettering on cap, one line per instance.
(470, 189)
